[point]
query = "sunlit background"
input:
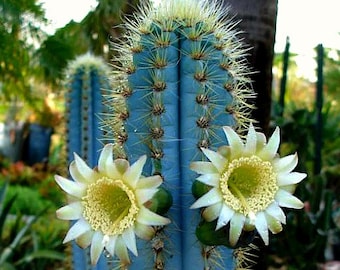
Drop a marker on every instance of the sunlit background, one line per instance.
(306, 22)
(33, 87)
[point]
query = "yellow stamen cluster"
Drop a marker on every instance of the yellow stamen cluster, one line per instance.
(110, 206)
(248, 185)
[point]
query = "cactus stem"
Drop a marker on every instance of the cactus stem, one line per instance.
(181, 76)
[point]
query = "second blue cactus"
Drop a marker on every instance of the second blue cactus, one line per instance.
(86, 83)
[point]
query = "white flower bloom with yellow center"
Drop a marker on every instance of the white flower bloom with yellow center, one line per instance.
(249, 184)
(108, 204)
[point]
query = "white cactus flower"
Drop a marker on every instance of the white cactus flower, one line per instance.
(108, 205)
(249, 184)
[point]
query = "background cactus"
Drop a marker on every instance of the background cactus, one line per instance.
(87, 83)
(180, 76)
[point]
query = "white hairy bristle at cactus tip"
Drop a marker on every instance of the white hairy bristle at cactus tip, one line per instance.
(88, 61)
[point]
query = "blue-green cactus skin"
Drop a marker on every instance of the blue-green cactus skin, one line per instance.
(151, 130)
(202, 114)
(179, 102)
(87, 79)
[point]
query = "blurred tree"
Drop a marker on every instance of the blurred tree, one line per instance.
(332, 74)
(92, 34)
(19, 29)
(101, 23)
(258, 21)
(56, 50)
(300, 92)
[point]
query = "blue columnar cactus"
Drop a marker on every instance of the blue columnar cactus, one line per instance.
(87, 81)
(180, 79)
(181, 76)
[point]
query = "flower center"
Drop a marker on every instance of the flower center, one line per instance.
(110, 206)
(248, 185)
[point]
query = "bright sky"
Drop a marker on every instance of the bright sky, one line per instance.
(306, 22)
(60, 12)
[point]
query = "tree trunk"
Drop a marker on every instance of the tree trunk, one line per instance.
(258, 21)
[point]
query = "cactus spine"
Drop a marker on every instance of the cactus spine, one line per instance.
(87, 79)
(180, 77)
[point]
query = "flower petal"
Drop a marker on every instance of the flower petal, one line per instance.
(216, 159)
(211, 197)
(262, 227)
(225, 215)
(105, 158)
(285, 199)
(236, 226)
(85, 239)
(234, 141)
(97, 247)
(143, 195)
(212, 212)
(79, 228)
(112, 171)
(130, 240)
(83, 169)
(144, 231)
(203, 167)
(285, 164)
(71, 211)
(261, 141)
(76, 175)
(290, 178)
(122, 252)
(251, 142)
(149, 182)
(73, 188)
(276, 212)
(224, 151)
(289, 188)
(211, 179)
(274, 225)
(148, 217)
(111, 245)
(269, 151)
(134, 172)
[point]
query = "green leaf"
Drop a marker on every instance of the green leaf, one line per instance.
(7, 266)
(9, 250)
(4, 211)
(42, 254)
(3, 191)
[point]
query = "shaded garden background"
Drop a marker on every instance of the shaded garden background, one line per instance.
(32, 91)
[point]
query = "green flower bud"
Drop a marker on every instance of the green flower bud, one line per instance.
(208, 235)
(160, 202)
(199, 189)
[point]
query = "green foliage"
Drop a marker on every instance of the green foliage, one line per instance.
(35, 184)
(304, 241)
(28, 201)
(18, 23)
(19, 248)
(101, 22)
(332, 73)
(57, 50)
